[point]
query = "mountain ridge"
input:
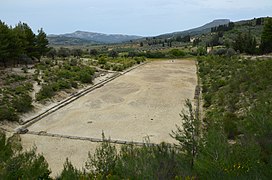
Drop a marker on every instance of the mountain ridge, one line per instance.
(201, 29)
(94, 37)
(85, 37)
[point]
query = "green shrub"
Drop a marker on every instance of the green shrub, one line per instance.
(46, 92)
(14, 78)
(85, 77)
(230, 121)
(22, 103)
(176, 53)
(69, 172)
(8, 113)
(207, 100)
(64, 84)
(74, 84)
(102, 60)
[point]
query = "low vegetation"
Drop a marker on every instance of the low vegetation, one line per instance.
(60, 75)
(18, 164)
(15, 97)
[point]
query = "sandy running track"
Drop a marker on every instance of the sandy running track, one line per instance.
(144, 102)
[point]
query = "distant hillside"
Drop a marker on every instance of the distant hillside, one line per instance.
(199, 30)
(83, 37)
(62, 40)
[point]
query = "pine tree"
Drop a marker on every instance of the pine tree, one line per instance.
(4, 43)
(41, 43)
(266, 38)
(188, 135)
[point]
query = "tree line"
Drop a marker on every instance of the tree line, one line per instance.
(245, 42)
(20, 45)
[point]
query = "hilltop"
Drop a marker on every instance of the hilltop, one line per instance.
(84, 37)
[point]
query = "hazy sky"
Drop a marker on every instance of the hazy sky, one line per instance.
(138, 17)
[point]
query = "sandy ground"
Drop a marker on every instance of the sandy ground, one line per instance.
(56, 150)
(145, 102)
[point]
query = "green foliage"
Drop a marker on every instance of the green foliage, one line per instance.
(85, 76)
(155, 54)
(41, 43)
(77, 52)
(212, 154)
(118, 63)
(147, 162)
(222, 28)
(22, 103)
(150, 162)
(104, 160)
(183, 39)
(241, 107)
(93, 52)
(214, 40)
(188, 134)
(219, 159)
(201, 51)
(15, 99)
(52, 53)
(8, 113)
(6, 151)
(25, 166)
(102, 60)
(64, 76)
(113, 54)
(69, 172)
(5, 35)
(15, 164)
(19, 44)
(14, 78)
(63, 52)
(176, 53)
(266, 38)
(46, 92)
(245, 43)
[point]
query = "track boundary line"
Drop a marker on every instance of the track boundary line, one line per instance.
(98, 140)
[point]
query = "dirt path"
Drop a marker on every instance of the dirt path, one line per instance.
(142, 103)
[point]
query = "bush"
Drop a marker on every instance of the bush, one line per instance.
(176, 53)
(22, 103)
(155, 54)
(104, 160)
(8, 113)
(69, 172)
(46, 92)
(14, 78)
(85, 77)
(220, 52)
(74, 84)
(64, 84)
(230, 121)
(147, 162)
(207, 100)
(102, 60)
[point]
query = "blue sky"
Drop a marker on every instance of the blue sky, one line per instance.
(135, 17)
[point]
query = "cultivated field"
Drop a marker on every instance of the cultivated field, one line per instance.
(142, 103)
